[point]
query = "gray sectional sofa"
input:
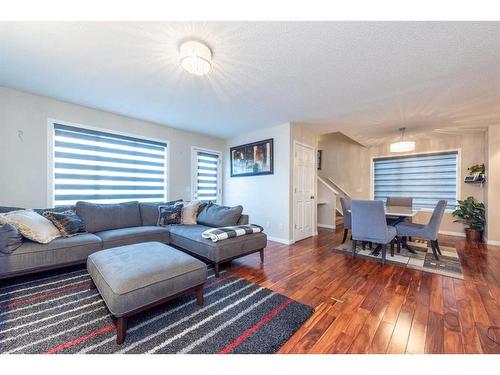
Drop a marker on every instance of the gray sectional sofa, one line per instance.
(123, 224)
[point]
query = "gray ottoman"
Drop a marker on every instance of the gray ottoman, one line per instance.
(136, 277)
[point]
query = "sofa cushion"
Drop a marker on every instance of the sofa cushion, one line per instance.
(189, 237)
(32, 255)
(217, 216)
(31, 225)
(190, 212)
(149, 211)
(131, 277)
(127, 236)
(68, 222)
(101, 217)
(170, 214)
(10, 238)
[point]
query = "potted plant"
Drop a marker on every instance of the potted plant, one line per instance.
(471, 213)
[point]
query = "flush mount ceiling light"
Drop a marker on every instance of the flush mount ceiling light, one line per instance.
(195, 57)
(402, 145)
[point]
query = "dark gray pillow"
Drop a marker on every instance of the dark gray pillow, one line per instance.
(149, 211)
(10, 239)
(217, 216)
(100, 217)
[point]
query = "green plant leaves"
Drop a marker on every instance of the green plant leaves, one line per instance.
(471, 213)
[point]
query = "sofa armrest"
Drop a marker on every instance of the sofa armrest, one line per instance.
(244, 220)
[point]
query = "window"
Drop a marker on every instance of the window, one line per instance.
(103, 167)
(206, 175)
(426, 178)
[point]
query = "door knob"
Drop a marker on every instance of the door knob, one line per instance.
(312, 196)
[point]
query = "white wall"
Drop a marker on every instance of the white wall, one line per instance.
(493, 186)
(265, 198)
(23, 163)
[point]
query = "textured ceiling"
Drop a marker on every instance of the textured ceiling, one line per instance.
(363, 78)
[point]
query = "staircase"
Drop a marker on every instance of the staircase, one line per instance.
(327, 204)
(329, 207)
(339, 219)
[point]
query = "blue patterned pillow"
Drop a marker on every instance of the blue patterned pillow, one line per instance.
(170, 214)
(68, 222)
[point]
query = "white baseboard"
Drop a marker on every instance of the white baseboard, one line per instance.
(280, 240)
(327, 226)
(448, 233)
(492, 242)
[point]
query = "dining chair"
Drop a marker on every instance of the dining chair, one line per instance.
(369, 225)
(400, 202)
(346, 206)
(427, 231)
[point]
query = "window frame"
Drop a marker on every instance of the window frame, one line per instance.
(50, 153)
(194, 171)
(458, 151)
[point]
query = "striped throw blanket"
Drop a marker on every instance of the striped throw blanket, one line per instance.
(219, 234)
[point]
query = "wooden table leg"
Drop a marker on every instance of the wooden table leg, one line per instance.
(199, 295)
(121, 330)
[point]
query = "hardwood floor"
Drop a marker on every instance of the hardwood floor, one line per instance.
(364, 307)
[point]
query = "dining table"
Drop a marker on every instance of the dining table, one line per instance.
(397, 214)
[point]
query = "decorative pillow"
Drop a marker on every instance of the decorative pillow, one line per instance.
(149, 211)
(190, 212)
(171, 214)
(10, 239)
(68, 222)
(31, 225)
(217, 216)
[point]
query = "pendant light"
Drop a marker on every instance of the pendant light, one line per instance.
(402, 145)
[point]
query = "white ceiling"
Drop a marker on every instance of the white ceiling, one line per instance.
(363, 78)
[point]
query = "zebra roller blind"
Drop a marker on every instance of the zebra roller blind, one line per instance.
(106, 168)
(425, 178)
(207, 176)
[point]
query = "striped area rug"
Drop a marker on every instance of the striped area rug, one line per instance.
(58, 313)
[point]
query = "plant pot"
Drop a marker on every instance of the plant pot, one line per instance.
(472, 234)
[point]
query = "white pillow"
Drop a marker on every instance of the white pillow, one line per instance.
(31, 225)
(190, 212)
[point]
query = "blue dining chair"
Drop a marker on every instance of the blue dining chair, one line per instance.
(346, 206)
(427, 231)
(369, 225)
(400, 202)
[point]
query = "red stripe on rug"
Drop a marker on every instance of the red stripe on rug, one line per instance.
(77, 341)
(256, 327)
(218, 281)
(47, 294)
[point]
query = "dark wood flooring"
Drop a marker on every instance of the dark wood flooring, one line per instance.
(364, 307)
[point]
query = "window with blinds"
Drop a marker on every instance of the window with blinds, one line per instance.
(426, 178)
(207, 176)
(103, 167)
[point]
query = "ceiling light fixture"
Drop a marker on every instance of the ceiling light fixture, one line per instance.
(402, 145)
(195, 57)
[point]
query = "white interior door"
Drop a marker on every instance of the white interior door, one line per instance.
(304, 165)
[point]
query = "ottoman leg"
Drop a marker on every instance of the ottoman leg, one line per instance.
(199, 295)
(216, 269)
(121, 330)
(261, 255)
